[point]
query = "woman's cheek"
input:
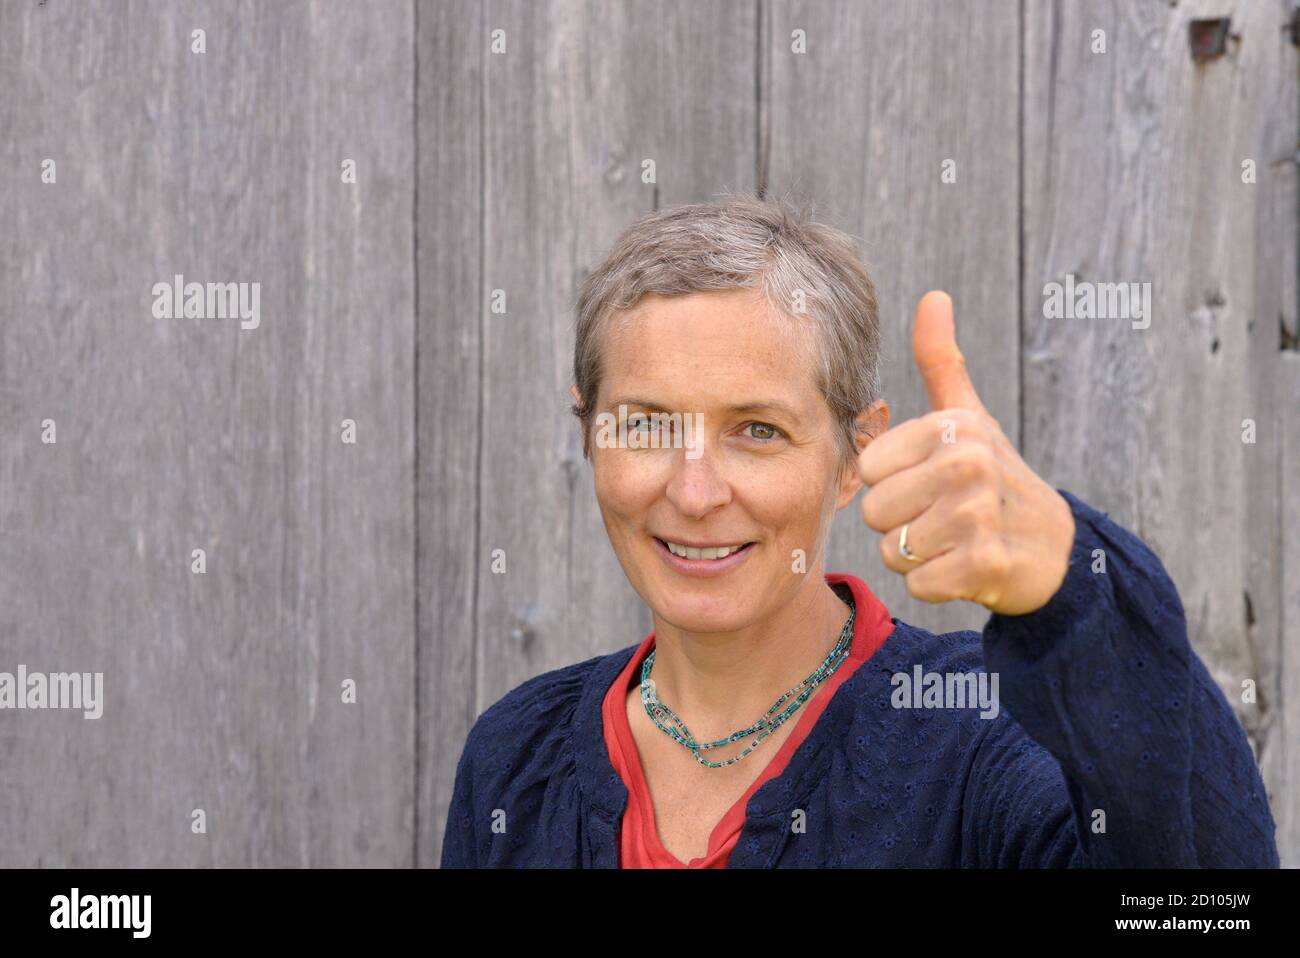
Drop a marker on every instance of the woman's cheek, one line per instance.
(623, 478)
(796, 525)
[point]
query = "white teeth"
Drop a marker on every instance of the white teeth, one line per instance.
(713, 552)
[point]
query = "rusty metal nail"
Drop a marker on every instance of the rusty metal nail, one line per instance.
(1208, 37)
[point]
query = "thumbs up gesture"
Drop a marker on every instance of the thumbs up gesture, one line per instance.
(979, 523)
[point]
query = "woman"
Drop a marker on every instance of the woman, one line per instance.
(778, 716)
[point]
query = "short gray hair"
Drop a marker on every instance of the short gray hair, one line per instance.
(743, 241)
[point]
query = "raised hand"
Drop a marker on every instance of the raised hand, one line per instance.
(981, 525)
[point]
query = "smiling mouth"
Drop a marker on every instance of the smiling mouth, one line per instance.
(709, 552)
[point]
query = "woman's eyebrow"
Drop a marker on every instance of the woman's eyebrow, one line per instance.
(753, 406)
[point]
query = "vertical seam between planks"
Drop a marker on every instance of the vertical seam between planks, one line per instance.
(760, 114)
(1022, 438)
(415, 422)
(482, 365)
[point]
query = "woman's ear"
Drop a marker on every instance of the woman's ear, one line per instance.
(871, 424)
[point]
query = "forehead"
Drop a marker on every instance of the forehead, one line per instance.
(718, 345)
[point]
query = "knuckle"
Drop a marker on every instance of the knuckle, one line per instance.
(970, 462)
(979, 512)
(920, 587)
(914, 585)
(871, 509)
(866, 465)
(968, 420)
(969, 514)
(992, 561)
(949, 424)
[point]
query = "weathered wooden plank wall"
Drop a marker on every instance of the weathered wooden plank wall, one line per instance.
(223, 690)
(449, 130)
(512, 171)
(1282, 750)
(1134, 173)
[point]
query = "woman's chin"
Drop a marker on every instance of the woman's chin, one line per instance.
(702, 608)
(696, 623)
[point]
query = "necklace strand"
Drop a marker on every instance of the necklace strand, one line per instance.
(766, 725)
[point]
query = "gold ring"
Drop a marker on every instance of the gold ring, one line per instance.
(903, 550)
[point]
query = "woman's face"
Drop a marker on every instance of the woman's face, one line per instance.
(763, 472)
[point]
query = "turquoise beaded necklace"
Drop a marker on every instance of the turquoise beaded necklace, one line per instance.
(766, 725)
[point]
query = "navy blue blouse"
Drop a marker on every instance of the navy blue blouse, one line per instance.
(1112, 747)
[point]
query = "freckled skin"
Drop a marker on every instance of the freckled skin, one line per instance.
(700, 353)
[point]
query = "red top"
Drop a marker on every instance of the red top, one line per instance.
(639, 844)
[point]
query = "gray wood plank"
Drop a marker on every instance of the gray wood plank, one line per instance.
(1133, 173)
(594, 90)
(1282, 746)
(222, 690)
(584, 93)
(1272, 620)
(452, 50)
(862, 123)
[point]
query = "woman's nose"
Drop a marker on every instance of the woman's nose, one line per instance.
(697, 486)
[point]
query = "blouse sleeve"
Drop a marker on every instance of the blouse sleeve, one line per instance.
(1123, 751)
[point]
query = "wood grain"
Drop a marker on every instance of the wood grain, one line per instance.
(480, 172)
(1133, 173)
(223, 690)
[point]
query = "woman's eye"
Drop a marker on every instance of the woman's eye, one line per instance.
(764, 430)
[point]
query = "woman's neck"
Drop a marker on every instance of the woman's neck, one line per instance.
(719, 682)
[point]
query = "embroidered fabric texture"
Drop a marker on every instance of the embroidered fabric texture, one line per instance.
(1105, 710)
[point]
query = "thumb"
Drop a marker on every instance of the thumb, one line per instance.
(934, 347)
